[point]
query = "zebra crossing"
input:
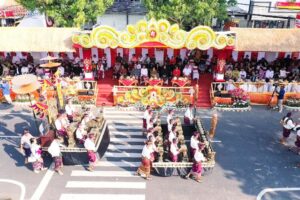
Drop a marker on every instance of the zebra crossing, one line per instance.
(114, 176)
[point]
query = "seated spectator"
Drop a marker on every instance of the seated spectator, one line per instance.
(154, 73)
(187, 71)
(283, 73)
(235, 74)
(269, 73)
(176, 72)
(243, 74)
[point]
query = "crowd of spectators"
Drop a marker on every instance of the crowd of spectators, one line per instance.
(286, 69)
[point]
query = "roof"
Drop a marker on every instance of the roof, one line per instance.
(124, 6)
(14, 39)
(235, 10)
(272, 40)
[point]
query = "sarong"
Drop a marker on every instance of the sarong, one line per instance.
(92, 157)
(286, 132)
(27, 152)
(57, 162)
(197, 168)
(174, 158)
(37, 165)
(70, 118)
(186, 120)
(62, 133)
(144, 124)
(145, 167)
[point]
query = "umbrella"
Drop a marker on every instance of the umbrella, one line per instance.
(50, 65)
(49, 58)
(24, 79)
(26, 89)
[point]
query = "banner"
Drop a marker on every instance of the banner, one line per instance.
(297, 22)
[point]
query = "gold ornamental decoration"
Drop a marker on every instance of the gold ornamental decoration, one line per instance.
(201, 37)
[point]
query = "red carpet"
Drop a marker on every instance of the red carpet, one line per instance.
(105, 86)
(204, 89)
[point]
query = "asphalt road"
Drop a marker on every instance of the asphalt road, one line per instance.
(249, 159)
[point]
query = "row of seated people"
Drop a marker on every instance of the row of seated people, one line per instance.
(172, 137)
(259, 87)
(74, 127)
(153, 81)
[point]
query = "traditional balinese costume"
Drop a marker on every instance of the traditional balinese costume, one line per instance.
(54, 150)
(145, 117)
(36, 152)
(287, 125)
(89, 145)
(70, 112)
(81, 134)
(197, 169)
(25, 142)
(194, 146)
(188, 116)
(174, 152)
(145, 166)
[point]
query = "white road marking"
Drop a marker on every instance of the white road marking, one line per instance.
(21, 185)
(103, 173)
(122, 155)
(126, 122)
(123, 117)
(117, 164)
(264, 191)
(9, 136)
(102, 196)
(114, 139)
(125, 147)
(125, 127)
(9, 113)
(43, 184)
(137, 133)
(106, 184)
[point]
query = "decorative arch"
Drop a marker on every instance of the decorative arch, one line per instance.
(159, 32)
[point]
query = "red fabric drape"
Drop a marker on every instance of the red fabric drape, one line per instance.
(113, 55)
(254, 55)
(126, 54)
(100, 53)
(2, 54)
(151, 52)
(281, 55)
(12, 54)
(294, 55)
(165, 54)
(138, 52)
(87, 53)
(24, 54)
(51, 54)
(176, 52)
(241, 55)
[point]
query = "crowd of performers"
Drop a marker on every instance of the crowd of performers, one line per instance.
(289, 126)
(150, 150)
(72, 129)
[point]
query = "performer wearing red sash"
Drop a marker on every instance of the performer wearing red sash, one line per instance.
(89, 145)
(146, 114)
(174, 151)
(288, 125)
(194, 144)
(197, 169)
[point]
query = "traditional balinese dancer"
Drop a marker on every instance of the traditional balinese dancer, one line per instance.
(170, 116)
(174, 151)
(54, 150)
(194, 144)
(145, 167)
(189, 115)
(145, 117)
(89, 145)
(197, 169)
(25, 144)
(36, 153)
(70, 111)
(288, 125)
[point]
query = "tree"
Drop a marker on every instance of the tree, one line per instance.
(69, 13)
(188, 13)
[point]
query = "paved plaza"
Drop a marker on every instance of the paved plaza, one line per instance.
(248, 160)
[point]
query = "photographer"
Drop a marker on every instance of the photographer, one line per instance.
(281, 94)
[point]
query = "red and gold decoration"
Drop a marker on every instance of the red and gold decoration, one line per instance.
(154, 96)
(40, 109)
(160, 32)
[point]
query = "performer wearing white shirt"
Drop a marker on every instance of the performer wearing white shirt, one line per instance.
(89, 145)
(170, 116)
(174, 150)
(145, 117)
(70, 111)
(145, 166)
(172, 134)
(197, 169)
(288, 125)
(189, 115)
(54, 150)
(194, 143)
(81, 134)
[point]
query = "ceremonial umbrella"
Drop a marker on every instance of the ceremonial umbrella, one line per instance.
(50, 65)
(26, 84)
(49, 58)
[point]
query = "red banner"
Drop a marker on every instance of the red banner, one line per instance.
(288, 5)
(297, 22)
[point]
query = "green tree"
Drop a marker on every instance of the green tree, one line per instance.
(188, 13)
(69, 13)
